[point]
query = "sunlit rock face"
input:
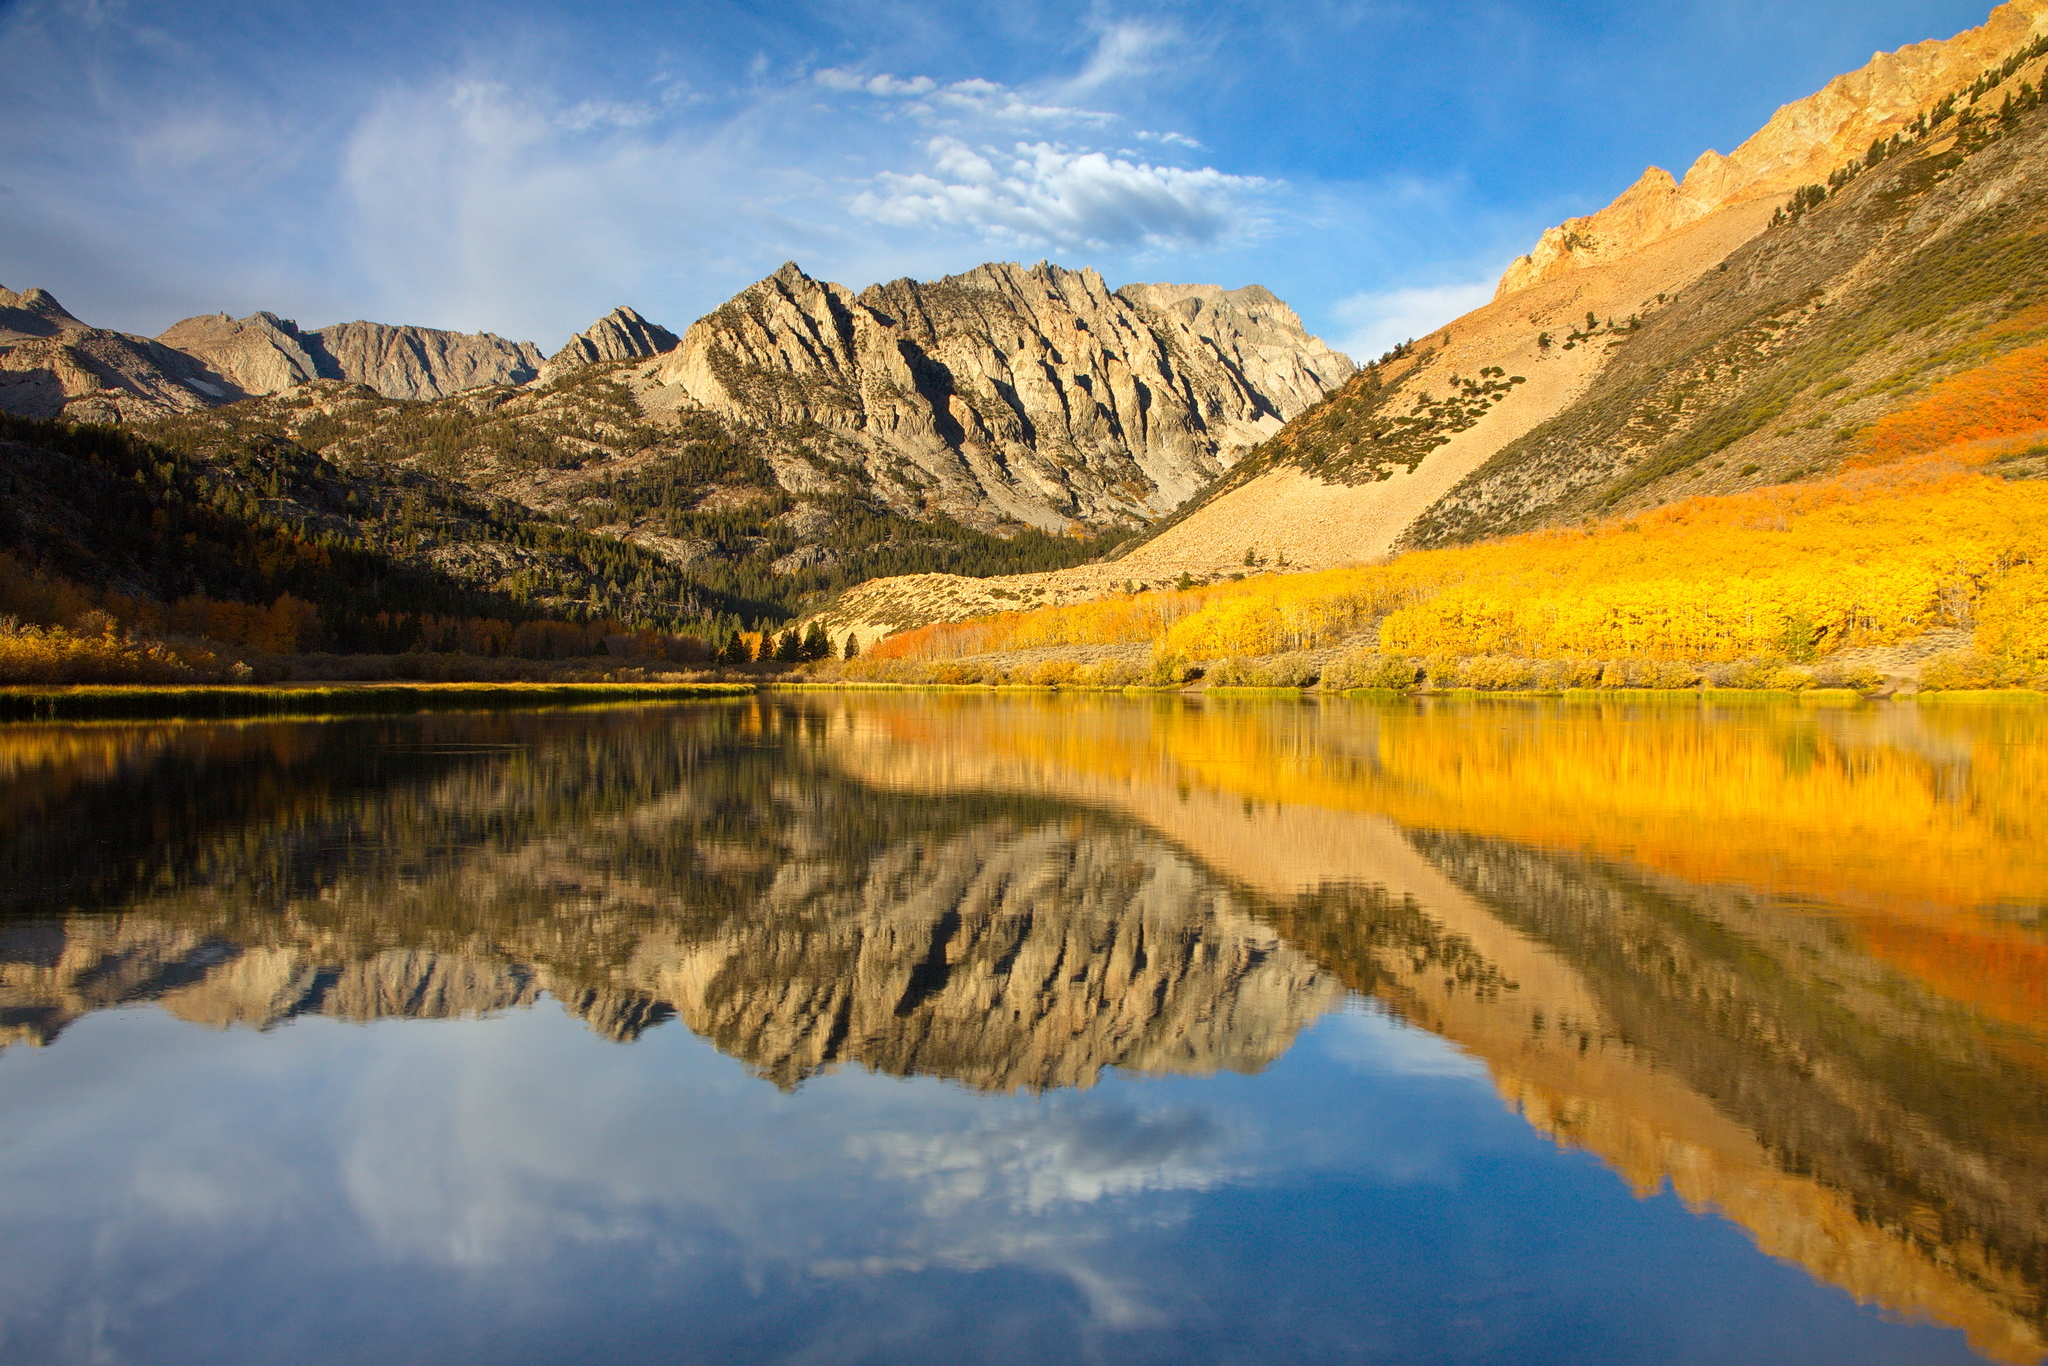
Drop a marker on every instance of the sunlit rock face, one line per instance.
(621, 334)
(1006, 394)
(54, 365)
(265, 354)
(1801, 145)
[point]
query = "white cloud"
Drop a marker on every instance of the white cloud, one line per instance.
(884, 85)
(1122, 51)
(1042, 194)
(969, 100)
(1380, 319)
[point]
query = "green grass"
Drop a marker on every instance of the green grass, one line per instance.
(115, 702)
(2000, 695)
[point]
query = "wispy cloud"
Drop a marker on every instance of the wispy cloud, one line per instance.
(1380, 319)
(1044, 194)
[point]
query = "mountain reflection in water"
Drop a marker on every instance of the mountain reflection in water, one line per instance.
(1789, 960)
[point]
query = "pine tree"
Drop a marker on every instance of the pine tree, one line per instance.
(817, 645)
(790, 648)
(852, 646)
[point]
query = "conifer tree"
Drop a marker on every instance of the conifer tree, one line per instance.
(817, 645)
(852, 646)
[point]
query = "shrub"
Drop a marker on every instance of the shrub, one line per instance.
(1283, 671)
(1498, 672)
(1170, 670)
(1790, 678)
(1860, 678)
(1571, 673)
(1371, 669)
(1052, 673)
(1110, 673)
(1745, 673)
(1960, 669)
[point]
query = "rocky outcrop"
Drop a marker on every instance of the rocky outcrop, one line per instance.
(1801, 145)
(424, 362)
(263, 354)
(621, 334)
(53, 365)
(259, 354)
(1005, 395)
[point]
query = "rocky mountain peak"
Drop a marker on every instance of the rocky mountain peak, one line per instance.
(621, 334)
(1005, 394)
(35, 313)
(1803, 142)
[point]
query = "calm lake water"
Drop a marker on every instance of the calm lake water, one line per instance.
(866, 1028)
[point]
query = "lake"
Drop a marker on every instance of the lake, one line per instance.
(885, 1027)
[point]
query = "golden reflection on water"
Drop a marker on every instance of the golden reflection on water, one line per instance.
(1789, 960)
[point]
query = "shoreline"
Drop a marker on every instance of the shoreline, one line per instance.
(218, 701)
(228, 701)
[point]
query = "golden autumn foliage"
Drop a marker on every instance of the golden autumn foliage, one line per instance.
(1913, 534)
(98, 652)
(1792, 572)
(2005, 400)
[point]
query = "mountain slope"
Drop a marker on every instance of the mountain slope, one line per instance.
(1741, 348)
(1004, 396)
(262, 354)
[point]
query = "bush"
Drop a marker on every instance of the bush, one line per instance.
(1791, 678)
(1862, 679)
(1667, 673)
(1371, 669)
(1052, 673)
(1570, 673)
(1110, 673)
(99, 653)
(1284, 671)
(1498, 673)
(1961, 669)
(1745, 673)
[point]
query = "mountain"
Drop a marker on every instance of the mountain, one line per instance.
(1745, 327)
(264, 354)
(52, 364)
(1003, 396)
(620, 334)
(622, 478)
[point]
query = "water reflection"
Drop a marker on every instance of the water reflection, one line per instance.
(1788, 960)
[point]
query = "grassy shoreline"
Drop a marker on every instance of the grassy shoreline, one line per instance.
(100, 702)
(222, 700)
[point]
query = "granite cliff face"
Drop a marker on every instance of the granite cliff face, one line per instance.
(263, 354)
(1005, 395)
(53, 365)
(621, 334)
(1802, 143)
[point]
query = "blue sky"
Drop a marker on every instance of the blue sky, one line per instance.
(523, 167)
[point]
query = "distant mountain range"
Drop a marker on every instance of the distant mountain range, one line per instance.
(1004, 397)
(798, 440)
